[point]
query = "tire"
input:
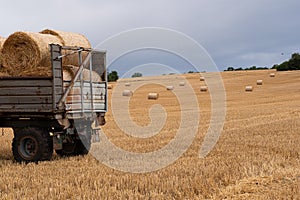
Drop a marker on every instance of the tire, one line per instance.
(78, 146)
(32, 144)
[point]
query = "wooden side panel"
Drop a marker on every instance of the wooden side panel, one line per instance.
(26, 95)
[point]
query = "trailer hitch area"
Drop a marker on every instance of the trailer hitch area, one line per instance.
(57, 142)
(95, 132)
(101, 119)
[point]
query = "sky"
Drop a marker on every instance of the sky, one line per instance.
(236, 33)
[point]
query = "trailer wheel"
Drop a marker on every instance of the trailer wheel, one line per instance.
(32, 144)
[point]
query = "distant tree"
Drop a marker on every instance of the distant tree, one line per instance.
(190, 72)
(253, 68)
(112, 76)
(274, 66)
(239, 69)
(230, 69)
(137, 74)
(292, 64)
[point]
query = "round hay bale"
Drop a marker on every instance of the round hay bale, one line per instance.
(70, 39)
(2, 40)
(170, 87)
(248, 88)
(127, 93)
(272, 75)
(3, 74)
(127, 84)
(153, 96)
(203, 88)
(202, 78)
(69, 72)
(182, 83)
(259, 82)
(109, 86)
(25, 51)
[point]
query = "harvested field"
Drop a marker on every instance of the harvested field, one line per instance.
(256, 157)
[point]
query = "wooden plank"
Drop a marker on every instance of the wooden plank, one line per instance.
(26, 108)
(87, 91)
(57, 73)
(26, 91)
(85, 84)
(78, 97)
(25, 100)
(25, 83)
(70, 107)
(87, 101)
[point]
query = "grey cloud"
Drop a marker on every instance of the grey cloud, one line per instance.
(234, 32)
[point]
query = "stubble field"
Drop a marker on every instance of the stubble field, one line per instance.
(256, 157)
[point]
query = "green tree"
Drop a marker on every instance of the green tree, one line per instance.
(292, 64)
(136, 74)
(230, 69)
(112, 76)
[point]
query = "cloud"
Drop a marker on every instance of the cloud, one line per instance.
(230, 30)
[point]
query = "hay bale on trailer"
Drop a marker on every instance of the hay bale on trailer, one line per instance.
(3, 74)
(26, 52)
(202, 78)
(109, 86)
(2, 40)
(70, 39)
(69, 72)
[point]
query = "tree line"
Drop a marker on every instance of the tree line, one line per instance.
(292, 64)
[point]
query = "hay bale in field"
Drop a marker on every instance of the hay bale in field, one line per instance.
(70, 39)
(259, 82)
(25, 52)
(153, 96)
(272, 75)
(203, 88)
(109, 86)
(69, 72)
(2, 40)
(127, 84)
(127, 93)
(248, 88)
(170, 87)
(182, 83)
(202, 78)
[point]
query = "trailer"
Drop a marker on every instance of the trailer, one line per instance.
(50, 113)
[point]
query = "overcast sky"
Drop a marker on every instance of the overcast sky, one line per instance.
(238, 33)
